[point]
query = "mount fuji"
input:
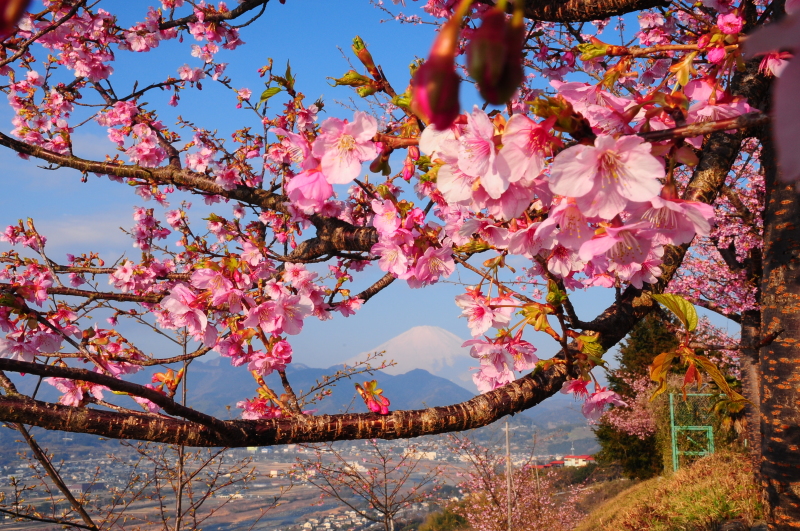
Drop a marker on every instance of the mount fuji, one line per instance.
(430, 348)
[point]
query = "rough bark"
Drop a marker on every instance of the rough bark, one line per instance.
(544, 10)
(751, 384)
(779, 361)
(585, 10)
(479, 411)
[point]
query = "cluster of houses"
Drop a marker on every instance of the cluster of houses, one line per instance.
(349, 520)
(569, 460)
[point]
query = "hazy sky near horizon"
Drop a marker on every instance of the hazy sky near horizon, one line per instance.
(315, 36)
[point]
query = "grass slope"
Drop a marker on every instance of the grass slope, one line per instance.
(700, 497)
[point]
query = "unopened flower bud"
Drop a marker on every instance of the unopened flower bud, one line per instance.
(366, 90)
(494, 55)
(670, 191)
(10, 13)
(434, 87)
(408, 169)
(360, 49)
(381, 163)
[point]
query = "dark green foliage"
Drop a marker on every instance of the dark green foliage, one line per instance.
(649, 338)
(638, 458)
(444, 520)
(573, 475)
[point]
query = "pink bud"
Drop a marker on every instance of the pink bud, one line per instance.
(494, 55)
(434, 92)
(10, 13)
(408, 169)
(434, 87)
(716, 55)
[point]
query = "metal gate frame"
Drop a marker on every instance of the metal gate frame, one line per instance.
(674, 430)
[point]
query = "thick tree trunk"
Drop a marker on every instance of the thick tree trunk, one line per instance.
(780, 362)
(751, 384)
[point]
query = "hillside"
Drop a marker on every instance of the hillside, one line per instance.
(700, 497)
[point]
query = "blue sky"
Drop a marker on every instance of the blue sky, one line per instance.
(79, 217)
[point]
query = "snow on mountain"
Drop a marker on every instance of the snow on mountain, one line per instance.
(431, 348)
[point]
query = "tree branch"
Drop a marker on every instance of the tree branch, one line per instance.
(744, 121)
(163, 401)
(65, 523)
(160, 176)
(484, 409)
(56, 478)
(585, 10)
(222, 16)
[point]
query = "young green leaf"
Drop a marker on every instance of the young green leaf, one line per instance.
(683, 309)
(267, 94)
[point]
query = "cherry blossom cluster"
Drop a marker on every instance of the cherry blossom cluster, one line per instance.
(562, 179)
(636, 416)
(486, 494)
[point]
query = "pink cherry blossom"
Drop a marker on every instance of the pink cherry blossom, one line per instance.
(477, 154)
(604, 177)
(527, 242)
(522, 352)
(676, 221)
(385, 220)
(638, 274)
(455, 185)
(774, 63)
(784, 35)
(309, 191)
(603, 110)
(576, 387)
(283, 315)
(594, 405)
(525, 146)
(433, 264)
(14, 346)
(188, 73)
(184, 309)
(258, 408)
(433, 142)
(573, 228)
(392, 258)
(306, 117)
(276, 360)
(730, 23)
(293, 148)
(494, 369)
(74, 391)
(480, 316)
(563, 261)
(343, 146)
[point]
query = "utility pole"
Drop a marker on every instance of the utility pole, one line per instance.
(508, 475)
(536, 460)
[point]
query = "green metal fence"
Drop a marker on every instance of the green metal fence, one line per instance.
(691, 426)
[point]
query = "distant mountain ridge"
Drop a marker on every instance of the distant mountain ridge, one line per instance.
(431, 348)
(218, 383)
(215, 387)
